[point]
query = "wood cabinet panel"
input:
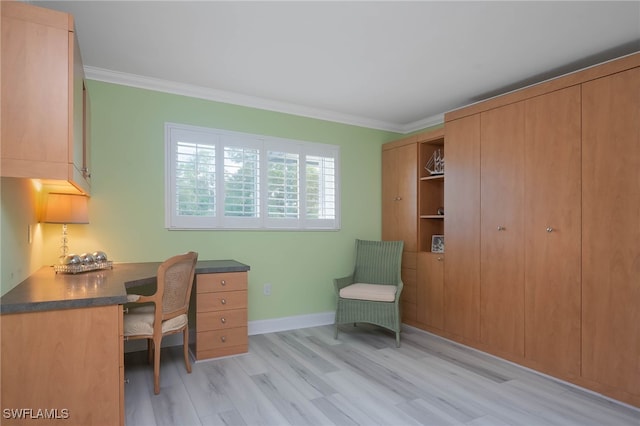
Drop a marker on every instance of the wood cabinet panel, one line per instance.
(552, 240)
(611, 231)
(219, 320)
(430, 296)
(399, 195)
(42, 96)
(230, 281)
(462, 228)
(69, 359)
(502, 229)
(221, 301)
(222, 338)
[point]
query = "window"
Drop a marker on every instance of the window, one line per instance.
(218, 179)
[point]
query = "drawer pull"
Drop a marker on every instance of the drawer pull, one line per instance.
(223, 320)
(223, 339)
(223, 301)
(223, 282)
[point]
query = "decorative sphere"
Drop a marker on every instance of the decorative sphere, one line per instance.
(71, 259)
(100, 256)
(87, 258)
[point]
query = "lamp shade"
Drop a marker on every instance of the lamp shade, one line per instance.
(66, 208)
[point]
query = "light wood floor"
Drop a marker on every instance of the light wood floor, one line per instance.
(305, 377)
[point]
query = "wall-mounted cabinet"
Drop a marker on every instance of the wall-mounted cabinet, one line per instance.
(44, 134)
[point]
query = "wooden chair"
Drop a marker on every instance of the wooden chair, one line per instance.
(165, 312)
(372, 293)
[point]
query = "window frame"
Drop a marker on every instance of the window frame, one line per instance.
(219, 139)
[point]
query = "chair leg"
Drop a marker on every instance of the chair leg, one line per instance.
(185, 340)
(149, 351)
(335, 333)
(156, 367)
(397, 339)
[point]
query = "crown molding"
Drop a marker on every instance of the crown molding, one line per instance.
(414, 126)
(149, 83)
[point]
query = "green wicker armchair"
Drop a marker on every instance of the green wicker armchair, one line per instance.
(372, 293)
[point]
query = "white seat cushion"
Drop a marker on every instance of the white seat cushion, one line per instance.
(374, 292)
(139, 322)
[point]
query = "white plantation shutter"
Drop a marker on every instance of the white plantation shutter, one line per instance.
(217, 179)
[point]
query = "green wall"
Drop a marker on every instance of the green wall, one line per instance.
(126, 208)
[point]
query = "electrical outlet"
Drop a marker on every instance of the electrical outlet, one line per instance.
(267, 289)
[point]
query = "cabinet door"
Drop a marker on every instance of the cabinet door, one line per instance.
(553, 230)
(611, 231)
(35, 90)
(399, 193)
(501, 229)
(66, 360)
(462, 228)
(430, 291)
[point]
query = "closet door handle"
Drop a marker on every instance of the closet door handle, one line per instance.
(549, 229)
(501, 228)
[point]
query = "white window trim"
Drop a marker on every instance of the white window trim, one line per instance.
(264, 143)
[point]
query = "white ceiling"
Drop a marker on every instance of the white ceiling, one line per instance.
(387, 65)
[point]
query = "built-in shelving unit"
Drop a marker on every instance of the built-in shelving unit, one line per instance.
(430, 192)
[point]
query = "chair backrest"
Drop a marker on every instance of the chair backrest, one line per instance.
(378, 262)
(175, 280)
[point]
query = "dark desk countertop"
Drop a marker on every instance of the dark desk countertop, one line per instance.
(45, 290)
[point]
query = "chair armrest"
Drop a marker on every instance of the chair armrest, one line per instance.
(399, 290)
(340, 283)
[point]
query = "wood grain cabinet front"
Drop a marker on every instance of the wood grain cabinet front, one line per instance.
(221, 314)
(44, 100)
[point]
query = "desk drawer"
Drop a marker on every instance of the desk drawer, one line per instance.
(229, 281)
(218, 339)
(220, 320)
(222, 301)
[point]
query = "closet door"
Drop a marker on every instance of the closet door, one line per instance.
(611, 231)
(462, 228)
(553, 231)
(400, 195)
(502, 229)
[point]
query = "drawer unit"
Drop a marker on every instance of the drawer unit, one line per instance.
(221, 314)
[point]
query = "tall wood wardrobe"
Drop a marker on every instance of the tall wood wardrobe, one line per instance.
(542, 229)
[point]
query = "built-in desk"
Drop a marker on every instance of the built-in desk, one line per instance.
(62, 344)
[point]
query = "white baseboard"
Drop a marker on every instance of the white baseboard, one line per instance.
(255, 327)
(291, 323)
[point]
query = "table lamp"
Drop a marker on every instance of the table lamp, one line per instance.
(65, 209)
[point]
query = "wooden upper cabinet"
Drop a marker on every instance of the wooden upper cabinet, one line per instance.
(552, 243)
(611, 232)
(42, 99)
(462, 228)
(501, 229)
(399, 194)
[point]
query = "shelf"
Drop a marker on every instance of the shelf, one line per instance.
(431, 216)
(433, 177)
